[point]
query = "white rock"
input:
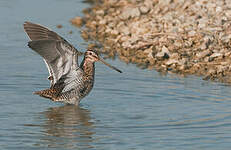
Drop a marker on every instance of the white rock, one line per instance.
(192, 33)
(160, 55)
(103, 21)
(203, 54)
(149, 52)
(165, 50)
(148, 3)
(144, 9)
(130, 12)
(100, 12)
(214, 55)
(126, 44)
(135, 12)
(218, 9)
(227, 13)
(164, 54)
(171, 61)
(114, 32)
(175, 56)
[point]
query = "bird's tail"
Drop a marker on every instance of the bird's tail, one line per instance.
(47, 93)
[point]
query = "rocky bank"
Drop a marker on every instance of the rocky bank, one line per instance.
(179, 36)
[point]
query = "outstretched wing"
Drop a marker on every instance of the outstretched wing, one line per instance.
(60, 57)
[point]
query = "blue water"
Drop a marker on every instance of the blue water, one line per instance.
(136, 110)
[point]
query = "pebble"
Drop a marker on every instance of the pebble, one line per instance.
(215, 55)
(171, 61)
(192, 33)
(100, 12)
(144, 9)
(130, 13)
(162, 55)
(203, 54)
(77, 21)
(59, 26)
(186, 37)
(165, 50)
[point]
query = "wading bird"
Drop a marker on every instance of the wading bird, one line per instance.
(69, 82)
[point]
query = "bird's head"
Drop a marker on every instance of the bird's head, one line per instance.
(93, 56)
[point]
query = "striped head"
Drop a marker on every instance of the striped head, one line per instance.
(92, 56)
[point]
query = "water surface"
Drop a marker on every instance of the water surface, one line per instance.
(136, 110)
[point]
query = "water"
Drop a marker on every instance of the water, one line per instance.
(136, 110)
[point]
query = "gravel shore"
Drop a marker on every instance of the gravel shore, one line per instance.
(188, 37)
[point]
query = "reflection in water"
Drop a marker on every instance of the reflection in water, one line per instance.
(68, 127)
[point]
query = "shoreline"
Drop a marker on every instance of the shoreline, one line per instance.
(183, 37)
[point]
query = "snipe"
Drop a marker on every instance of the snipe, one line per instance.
(69, 82)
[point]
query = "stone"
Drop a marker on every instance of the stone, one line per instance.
(114, 32)
(70, 32)
(102, 22)
(215, 55)
(130, 13)
(125, 30)
(165, 50)
(163, 54)
(192, 33)
(177, 43)
(149, 3)
(84, 35)
(59, 26)
(100, 12)
(77, 21)
(144, 9)
(221, 69)
(135, 12)
(126, 44)
(175, 56)
(203, 46)
(149, 52)
(171, 61)
(228, 13)
(203, 54)
(183, 61)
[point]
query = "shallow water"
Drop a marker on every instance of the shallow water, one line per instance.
(138, 109)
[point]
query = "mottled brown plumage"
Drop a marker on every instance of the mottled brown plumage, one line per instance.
(69, 82)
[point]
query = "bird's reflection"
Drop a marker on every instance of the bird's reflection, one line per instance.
(68, 127)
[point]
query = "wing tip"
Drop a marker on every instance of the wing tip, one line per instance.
(26, 23)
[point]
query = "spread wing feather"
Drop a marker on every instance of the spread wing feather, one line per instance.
(60, 57)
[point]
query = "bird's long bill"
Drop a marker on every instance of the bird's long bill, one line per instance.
(112, 67)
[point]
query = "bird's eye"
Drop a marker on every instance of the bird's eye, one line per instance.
(90, 53)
